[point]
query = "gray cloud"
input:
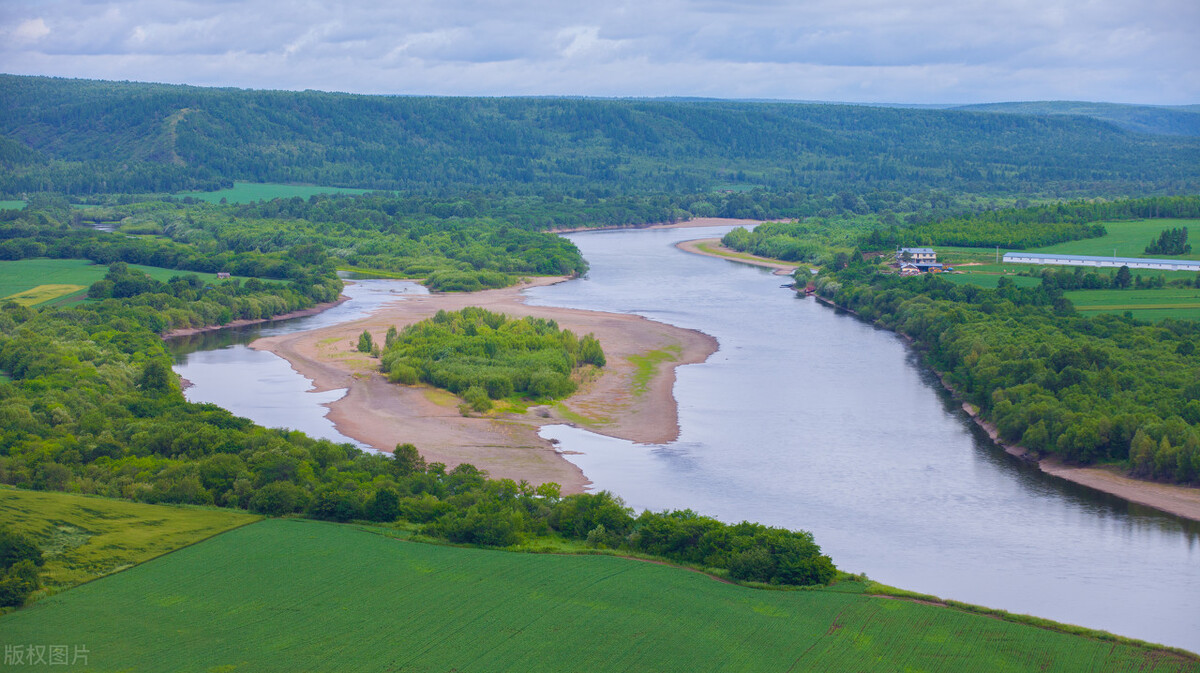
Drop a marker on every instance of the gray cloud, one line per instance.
(852, 50)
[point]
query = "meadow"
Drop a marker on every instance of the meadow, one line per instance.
(1170, 302)
(1128, 239)
(18, 277)
(85, 537)
(990, 280)
(290, 594)
(249, 192)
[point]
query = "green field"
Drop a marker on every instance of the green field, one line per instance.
(1169, 302)
(86, 537)
(12, 205)
(25, 274)
(249, 192)
(990, 280)
(286, 595)
(1129, 239)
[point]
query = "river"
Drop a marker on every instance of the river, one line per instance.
(809, 418)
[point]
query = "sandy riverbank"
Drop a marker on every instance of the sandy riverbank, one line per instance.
(1182, 501)
(711, 247)
(686, 224)
(382, 414)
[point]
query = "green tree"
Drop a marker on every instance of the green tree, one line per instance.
(366, 343)
(1123, 278)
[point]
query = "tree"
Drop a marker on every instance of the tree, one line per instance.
(366, 344)
(1123, 278)
(19, 561)
(406, 460)
(384, 505)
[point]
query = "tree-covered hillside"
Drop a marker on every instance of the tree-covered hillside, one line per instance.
(85, 137)
(1175, 120)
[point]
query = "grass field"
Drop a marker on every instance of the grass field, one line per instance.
(1170, 302)
(286, 595)
(12, 205)
(21, 276)
(1129, 239)
(85, 537)
(249, 192)
(990, 280)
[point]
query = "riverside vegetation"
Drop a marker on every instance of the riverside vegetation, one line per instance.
(1106, 388)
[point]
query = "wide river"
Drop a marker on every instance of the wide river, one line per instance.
(810, 418)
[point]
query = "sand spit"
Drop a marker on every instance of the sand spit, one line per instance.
(383, 414)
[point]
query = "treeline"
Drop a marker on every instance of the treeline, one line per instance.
(451, 254)
(1104, 388)
(484, 356)
(1170, 242)
(102, 137)
(188, 302)
(90, 405)
(1020, 228)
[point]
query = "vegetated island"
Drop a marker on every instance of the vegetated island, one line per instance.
(631, 398)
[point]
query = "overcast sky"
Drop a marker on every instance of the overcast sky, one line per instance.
(898, 51)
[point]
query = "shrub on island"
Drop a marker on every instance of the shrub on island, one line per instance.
(484, 356)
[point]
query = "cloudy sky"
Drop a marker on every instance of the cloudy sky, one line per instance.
(898, 51)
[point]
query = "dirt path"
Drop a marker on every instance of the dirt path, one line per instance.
(382, 414)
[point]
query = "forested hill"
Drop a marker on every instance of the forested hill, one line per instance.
(85, 137)
(1176, 120)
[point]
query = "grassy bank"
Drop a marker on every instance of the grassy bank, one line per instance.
(84, 537)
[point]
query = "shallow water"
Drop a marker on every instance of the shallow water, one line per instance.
(262, 386)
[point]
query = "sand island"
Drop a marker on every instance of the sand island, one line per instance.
(619, 402)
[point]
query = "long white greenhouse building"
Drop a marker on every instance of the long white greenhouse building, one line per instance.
(1109, 262)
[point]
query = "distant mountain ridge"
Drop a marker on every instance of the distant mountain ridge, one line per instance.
(86, 136)
(1174, 120)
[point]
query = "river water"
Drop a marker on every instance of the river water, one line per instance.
(810, 418)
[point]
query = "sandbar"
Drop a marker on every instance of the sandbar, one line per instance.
(712, 247)
(506, 445)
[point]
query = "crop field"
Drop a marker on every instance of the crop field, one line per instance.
(1156, 304)
(289, 594)
(42, 294)
(1129, 239)
(86, 537)
(249, 192)
(22, 276)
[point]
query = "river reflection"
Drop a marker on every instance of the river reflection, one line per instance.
(808, 417)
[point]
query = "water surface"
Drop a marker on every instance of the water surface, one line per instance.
(262, 386)
(808, 417)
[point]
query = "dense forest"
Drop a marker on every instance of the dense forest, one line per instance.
(91, 137)
(272, 240)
